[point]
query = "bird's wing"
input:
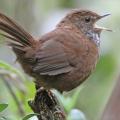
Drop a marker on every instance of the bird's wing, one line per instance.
(51, 59)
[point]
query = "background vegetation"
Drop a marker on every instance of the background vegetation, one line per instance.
(39, 17)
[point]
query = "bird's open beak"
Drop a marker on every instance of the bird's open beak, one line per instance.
(103, 28)
(104, 16)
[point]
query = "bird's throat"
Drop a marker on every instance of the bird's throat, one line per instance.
(95, 37)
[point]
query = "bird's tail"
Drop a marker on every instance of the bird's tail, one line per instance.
(18, 37)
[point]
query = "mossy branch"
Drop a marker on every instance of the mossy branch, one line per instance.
(47, 106)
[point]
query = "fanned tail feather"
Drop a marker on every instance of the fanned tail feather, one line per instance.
(18, 37)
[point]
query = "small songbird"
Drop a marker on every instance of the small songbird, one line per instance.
(63, 58)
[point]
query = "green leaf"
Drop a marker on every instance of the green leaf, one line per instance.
(30, 115)
(3, 106)
(6, 66)
(71, 101)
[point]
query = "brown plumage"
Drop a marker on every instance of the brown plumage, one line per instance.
(61, 59)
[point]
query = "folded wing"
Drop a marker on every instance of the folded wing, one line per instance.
(52, 59)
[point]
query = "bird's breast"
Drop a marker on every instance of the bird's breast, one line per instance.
(86, 62)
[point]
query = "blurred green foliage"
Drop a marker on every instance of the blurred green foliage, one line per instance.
(88, 100)
(3, 106)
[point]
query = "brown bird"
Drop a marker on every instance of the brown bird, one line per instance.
(63, 58)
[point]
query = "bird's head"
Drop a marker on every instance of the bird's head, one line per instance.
(85, 21)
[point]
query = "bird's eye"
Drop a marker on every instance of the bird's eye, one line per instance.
(87, 19)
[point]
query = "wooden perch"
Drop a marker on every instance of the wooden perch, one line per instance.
(47, 106)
